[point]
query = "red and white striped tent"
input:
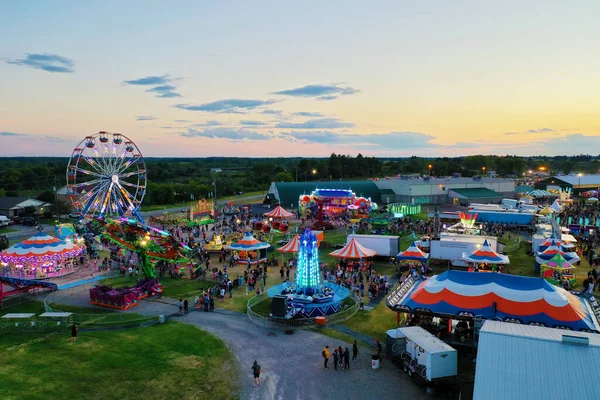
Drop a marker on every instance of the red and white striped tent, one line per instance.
(279, 212)
(353, 249)
(293, 246)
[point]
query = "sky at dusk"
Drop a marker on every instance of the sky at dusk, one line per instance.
(276, 78)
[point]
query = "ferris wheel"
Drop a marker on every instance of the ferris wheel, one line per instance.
(106, 176)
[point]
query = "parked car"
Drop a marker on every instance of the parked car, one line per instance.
(75, 215)
(4, 221)
(17, 219)
(30, 221)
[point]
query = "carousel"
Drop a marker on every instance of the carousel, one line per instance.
(557, 269)
(353, 251)
(249, 250)
(485, 259)
(41, 256)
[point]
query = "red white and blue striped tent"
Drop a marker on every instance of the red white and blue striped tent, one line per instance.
(485, 255)
(413, 253)
(279, 212)
(293, 246)
(542, 257)
(248, 242)
(353, 249)
(41, 248)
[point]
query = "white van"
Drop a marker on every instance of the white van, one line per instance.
(4, 220)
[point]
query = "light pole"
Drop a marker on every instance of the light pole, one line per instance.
(579, 186)
(429, 166)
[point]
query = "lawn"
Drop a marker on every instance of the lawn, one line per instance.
(175, 288)
(159, 362)
(4, 230)
(373, 323)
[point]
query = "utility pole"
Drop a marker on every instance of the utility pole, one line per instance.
(56, 200)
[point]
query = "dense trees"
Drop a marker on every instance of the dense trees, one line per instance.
(180, 179)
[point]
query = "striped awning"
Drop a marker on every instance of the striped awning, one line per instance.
(41, 248)
(279, 212)
(293, 246)
(353, 249)
(248, 242)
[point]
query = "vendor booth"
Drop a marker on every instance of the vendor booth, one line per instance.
(485, 259)
(557, 270)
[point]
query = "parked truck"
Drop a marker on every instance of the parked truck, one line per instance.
(423, 356)
(384, 245)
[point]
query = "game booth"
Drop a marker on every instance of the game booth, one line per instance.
(202, 213)
(485, 259)
(550, 248)
(250, 251)
(413, 255)
(557, 269)
(353, 251)
(40, 257)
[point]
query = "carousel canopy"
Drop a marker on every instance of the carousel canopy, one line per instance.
(279, 212)
(498, 296)
(486, 255)
(413, 253)
(248, 242)
(558, 262)
(353, 249)
(41, 248)
(293, 246)
(540, 193)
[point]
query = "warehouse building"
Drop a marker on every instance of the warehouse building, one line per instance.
(446, 190)
(577, 183)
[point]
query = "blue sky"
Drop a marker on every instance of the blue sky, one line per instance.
(268, 78)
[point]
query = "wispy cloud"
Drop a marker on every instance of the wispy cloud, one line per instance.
(395, 140)
(308, 114)
(228, 106)
(271, 112)
(182, 120)
(31, 136)
(163, 85)
(11, 134)
(149, 81)
(252, 123)
(164, 91)
(319, 123)
(226, 133)
(511, 133)
(207, 124)
(46, 62)
(321, 92)
(144, 118)
(540, 130)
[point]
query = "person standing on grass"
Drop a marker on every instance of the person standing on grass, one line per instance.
(354, 350)
(186, 307)
(74, 331)
(256, 373)
(325, 354)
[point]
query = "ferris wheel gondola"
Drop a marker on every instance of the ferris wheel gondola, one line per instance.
(106, 176)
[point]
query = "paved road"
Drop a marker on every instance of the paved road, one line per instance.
(25, 232)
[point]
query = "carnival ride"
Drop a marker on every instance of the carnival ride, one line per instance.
(307, 297)
(106, 176)
(276, 221)
(202, 213)
(324, 204)
(21, 286)
(150, 245)
(510, 298)
(250, 250)
(40, 256)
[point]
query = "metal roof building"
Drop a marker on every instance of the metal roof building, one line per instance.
(288, 193)
(527, 362)
(576, 182)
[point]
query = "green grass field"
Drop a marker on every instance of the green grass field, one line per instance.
(159, 362)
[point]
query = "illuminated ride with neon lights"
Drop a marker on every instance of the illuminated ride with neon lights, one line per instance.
(308, 296)
(336, 201)
(106, 177)
(466, 225)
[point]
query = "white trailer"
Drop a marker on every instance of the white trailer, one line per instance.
(510, 203)
(384, 245)
(451, 246)
(421, 354)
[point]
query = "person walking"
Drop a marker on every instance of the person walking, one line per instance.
(180, 305)
(256, 373)
(186, 307)
(354, 350)
(336, 358)
(325, 354)
(74, 331)
(346, 359)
